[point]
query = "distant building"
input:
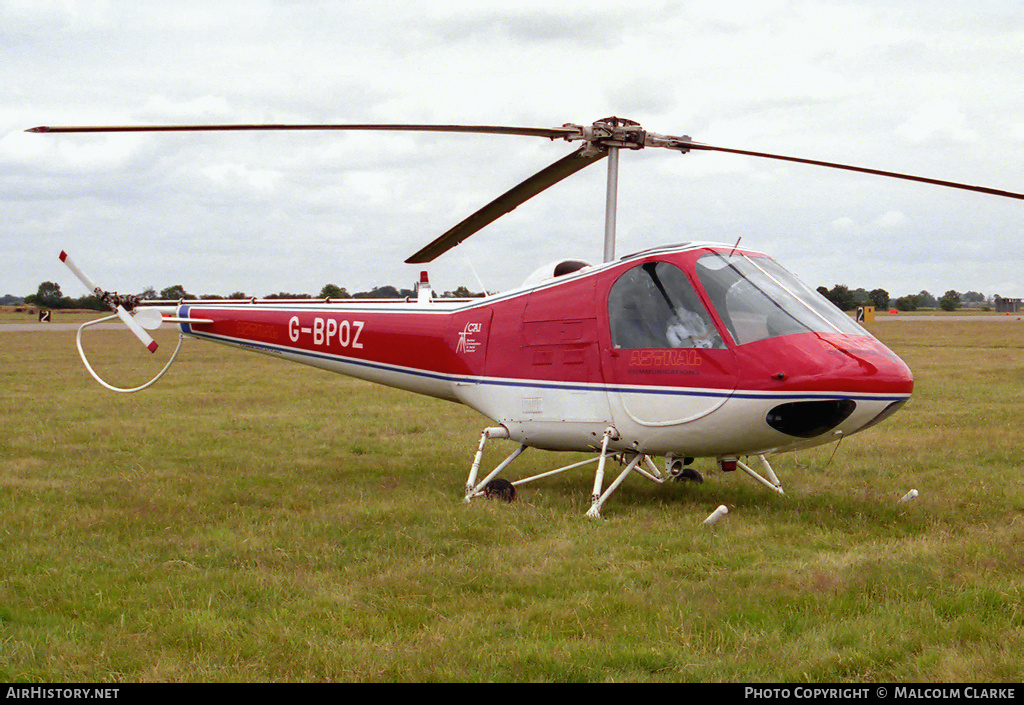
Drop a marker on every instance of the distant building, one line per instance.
(1008, 305)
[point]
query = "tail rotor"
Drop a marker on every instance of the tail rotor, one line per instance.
(120, 305)
(117, 303)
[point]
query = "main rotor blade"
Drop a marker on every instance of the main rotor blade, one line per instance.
(552, 133)
(508, 201)
(863, 170)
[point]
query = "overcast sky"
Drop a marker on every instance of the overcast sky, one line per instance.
(929, 88)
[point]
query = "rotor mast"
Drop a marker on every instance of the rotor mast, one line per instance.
(611, 203)
(609, 136)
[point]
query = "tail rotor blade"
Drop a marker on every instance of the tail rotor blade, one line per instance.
(82, 276)
(138, 330)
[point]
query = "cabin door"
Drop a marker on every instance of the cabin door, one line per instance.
(666, 363)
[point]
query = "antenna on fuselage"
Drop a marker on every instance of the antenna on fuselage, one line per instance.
(477, 277)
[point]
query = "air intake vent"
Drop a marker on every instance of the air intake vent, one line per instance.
(807, 419)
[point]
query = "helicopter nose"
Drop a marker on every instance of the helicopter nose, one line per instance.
(854, 365)
(828, 385)
(876, 382)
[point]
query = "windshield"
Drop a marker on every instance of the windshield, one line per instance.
(757, 299)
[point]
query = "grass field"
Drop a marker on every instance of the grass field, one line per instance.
(250, 520)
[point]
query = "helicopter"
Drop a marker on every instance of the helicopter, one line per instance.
(685, 351)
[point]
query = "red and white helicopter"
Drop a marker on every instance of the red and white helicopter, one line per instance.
(687, 351)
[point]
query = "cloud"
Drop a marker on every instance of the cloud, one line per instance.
(937, 120)
(909, 87)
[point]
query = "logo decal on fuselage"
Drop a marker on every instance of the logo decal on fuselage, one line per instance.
(468, 343)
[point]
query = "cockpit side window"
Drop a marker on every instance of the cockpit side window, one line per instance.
(653, 305)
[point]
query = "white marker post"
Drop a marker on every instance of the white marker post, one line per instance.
(716, 515)
(908, 496)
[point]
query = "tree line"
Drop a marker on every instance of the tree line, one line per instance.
(49, 295)
(847, 299)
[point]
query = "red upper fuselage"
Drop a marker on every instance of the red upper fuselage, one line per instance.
(693, 350)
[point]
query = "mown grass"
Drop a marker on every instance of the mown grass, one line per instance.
(250, 520)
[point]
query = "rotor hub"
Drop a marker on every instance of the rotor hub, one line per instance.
(624, 134)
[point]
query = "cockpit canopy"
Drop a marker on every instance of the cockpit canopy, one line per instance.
(655, 304)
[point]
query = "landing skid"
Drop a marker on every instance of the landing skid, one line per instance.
(639, 463)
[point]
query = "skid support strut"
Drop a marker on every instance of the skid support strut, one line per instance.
(595, 508)
(472, 489)
(771, 482)
(637, 462)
